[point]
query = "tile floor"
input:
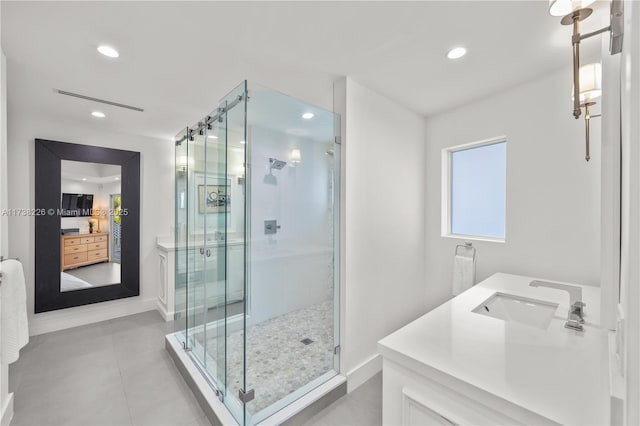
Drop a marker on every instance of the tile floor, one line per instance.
(97, 275)
(118, 373)
(362, 407)
(111, 373)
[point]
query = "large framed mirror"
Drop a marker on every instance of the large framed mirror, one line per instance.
(87, 225)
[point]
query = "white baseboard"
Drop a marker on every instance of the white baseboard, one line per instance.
(7, 411)
(363, 372)
(167, 315)
(82, 315)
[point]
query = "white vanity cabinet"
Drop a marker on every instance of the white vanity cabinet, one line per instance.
(235, 273)
(166, 278)
(455, 365)
(413, 399)
(172, 299)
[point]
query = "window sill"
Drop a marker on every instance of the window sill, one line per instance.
(474, 238)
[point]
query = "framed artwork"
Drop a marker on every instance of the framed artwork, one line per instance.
(213, 198)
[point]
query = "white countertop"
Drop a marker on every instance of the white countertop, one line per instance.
(258, 250)
(168, 244)
(556, 373)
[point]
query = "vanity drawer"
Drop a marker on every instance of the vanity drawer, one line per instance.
(100, 238)
(70, 259)
(78, 248)
(87, 240)
(71, 241)
(97, 254)
(97, 246)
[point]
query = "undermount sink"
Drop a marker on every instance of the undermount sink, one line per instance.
(507, 307)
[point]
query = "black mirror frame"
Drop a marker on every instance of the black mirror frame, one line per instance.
(48, 157)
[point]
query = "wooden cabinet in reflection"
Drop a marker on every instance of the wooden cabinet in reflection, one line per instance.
(83, 249)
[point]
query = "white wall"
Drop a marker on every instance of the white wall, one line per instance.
(156, 190)
(383, 194)
(553, 195)
(6, 399)
(630, 222)
(299, 199)
(290, 269)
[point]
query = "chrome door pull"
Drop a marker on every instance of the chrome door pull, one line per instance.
(201, 250)
(208, 253)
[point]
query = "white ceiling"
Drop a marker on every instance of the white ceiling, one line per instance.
(177, 59)
(90, 172)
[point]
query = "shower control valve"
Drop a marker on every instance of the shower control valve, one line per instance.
(271, 227)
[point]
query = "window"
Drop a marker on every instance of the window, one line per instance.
(474, 190)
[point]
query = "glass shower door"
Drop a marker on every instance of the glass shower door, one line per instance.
(210, 245)
(196, 261)
(212, 204)
(292, 333)
(232, 253)
(181, 235)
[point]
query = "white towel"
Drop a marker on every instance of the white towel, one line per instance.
(464, 274)
(14, 328)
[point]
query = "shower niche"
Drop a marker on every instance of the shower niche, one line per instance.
(256, 250)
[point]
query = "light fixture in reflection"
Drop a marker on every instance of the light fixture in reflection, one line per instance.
(295, 157)
(243, 142)
(84, 178)
(240, 174)
(183, 163)
(590, 82)
(456, 53)
(308, 115)
(108, 51)
(98, 114)
(117, 178)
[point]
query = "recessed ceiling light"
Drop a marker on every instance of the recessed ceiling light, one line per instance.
(108, 51)
(243, 142)
(456, 53)
(307, 115)
(84, 178)
(98, 114)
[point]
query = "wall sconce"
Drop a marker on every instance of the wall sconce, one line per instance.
(590, 89)
(573, 12)
(183, 163)
(240, 174)
(295, 157)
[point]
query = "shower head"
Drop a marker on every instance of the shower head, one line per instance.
(274, 163)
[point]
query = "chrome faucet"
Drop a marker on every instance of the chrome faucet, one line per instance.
(576, 305)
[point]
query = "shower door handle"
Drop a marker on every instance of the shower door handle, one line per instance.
(208, 253)
(201, 250)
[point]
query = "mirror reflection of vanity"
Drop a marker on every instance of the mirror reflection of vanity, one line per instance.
(91, 237)
(87, 244)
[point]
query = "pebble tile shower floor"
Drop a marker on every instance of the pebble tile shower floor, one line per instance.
(278, 361)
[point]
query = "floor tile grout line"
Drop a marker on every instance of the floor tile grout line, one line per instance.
(124, 390)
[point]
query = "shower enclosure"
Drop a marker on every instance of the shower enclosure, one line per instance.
(257, 215)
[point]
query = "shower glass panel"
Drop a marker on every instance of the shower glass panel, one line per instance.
(291, 335)
(257, 192)
(181, 241)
